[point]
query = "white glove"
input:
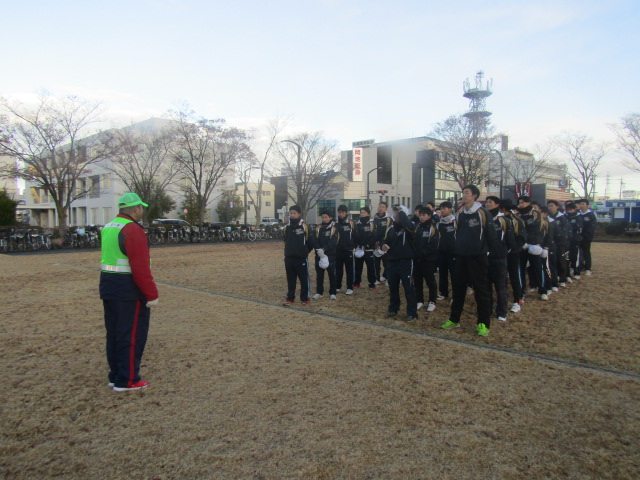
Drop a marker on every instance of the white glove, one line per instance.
(535, 250)
(359, 252)
(320, 252)
(545, 253)
(525, 246)
(324, 262)
(378, 253)
(152, 303)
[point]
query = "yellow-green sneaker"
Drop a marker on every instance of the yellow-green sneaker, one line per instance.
(449, 324)
(482, 330)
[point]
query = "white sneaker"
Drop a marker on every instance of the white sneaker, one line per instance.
(569, 280)
(333, 297)
(317, 296)
(382, 279)
(441, 297)
(588, 272)
(531, 290)
(348, 292)
(544, 297)
(431, 307)
(562, 284)
(338, 290)
(554, 289)
(420, 305)
(576, 277)
(503, 319)
(515, 308)
(549, 292)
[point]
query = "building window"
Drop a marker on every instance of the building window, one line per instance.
(329, 205)
(268, 204)
(106, 211)
(106, 182)
(354, 205)
(384, 165)
(94, 216)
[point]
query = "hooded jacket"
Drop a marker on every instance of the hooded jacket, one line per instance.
(296, 239)
(447, 229)
(532, 224)
(577, 222)
(426, 242)
(562, 229)
(382, 223)
(476, 234)
(589, 221)
(506, 240)
(346, 229)
(365, 233)
(326, 237)
(400, 239)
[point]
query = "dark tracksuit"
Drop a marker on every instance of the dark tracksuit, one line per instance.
(296, 258)
(381, 226)
(446, 256)
(513, 257)
(344, 252)
(365, 238)
(126, 315)
(326, 238)
(588, 231)
(575, 258)
(548, 229)
(475, 237)
(533, 226)
(561, 236)
(498, 261)
(399, 238)
(427, 239)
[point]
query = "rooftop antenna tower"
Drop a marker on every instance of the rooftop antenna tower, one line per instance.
(477, 96)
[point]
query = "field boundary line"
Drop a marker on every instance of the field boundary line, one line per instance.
(370, 323)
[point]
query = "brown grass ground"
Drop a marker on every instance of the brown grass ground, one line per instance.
(245, 389)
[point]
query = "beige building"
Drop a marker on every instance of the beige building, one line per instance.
(249, 198)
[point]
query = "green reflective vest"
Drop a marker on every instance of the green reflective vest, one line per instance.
(113, 260)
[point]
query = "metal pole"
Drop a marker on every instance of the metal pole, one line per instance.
(244, 183)
(501, 170)
(369, 173)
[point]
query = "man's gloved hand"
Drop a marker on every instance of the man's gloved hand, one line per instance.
(320, 252)
(545, 253)
(152, 303)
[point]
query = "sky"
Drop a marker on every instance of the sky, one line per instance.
(353, 70)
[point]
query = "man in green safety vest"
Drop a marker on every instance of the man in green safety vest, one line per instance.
(127, 290)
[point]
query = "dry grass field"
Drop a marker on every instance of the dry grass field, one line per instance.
(243, 388)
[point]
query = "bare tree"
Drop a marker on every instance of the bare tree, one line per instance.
(205, 150)
(47, 146)
(143, 161)
(530, 169)
(468, 145)
(263, 164)
(585, 156)
(312, 163)
(628, 135)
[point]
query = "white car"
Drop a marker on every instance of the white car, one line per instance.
(269, 221)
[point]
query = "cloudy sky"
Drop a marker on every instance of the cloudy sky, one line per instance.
(351, 69)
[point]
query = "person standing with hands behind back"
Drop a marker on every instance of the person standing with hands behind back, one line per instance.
(127, 290)
(296, 256)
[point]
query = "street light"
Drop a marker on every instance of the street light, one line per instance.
(369, 173)
(501, 168)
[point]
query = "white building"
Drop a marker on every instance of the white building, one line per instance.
(267, 193)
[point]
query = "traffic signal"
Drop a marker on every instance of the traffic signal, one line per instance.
(382, 192)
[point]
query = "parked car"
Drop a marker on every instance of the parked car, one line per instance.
(170, 221)
(269, 221)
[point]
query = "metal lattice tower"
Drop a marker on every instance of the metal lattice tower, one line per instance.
(477, 96)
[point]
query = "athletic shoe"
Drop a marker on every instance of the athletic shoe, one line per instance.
(420, 305)
(469, 291)
(576, 277)
(440, 297)
(382, 279)
(373, 288)
(515, 308)
(410, 318)
(502, 319)
(391, 314)
(554, 289)
(286, 303)
(317, 296)
(549, 292)
(348, 292)
(305, 302)
(356, 285)
(338, 290)
(333, 297)
(588, 272)
(431, 307)
(135, 386)
(569, 280)
(111, 384)
(482, 330)
(449, 324)
(532, 289)
(544, 297)
(562, 284)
